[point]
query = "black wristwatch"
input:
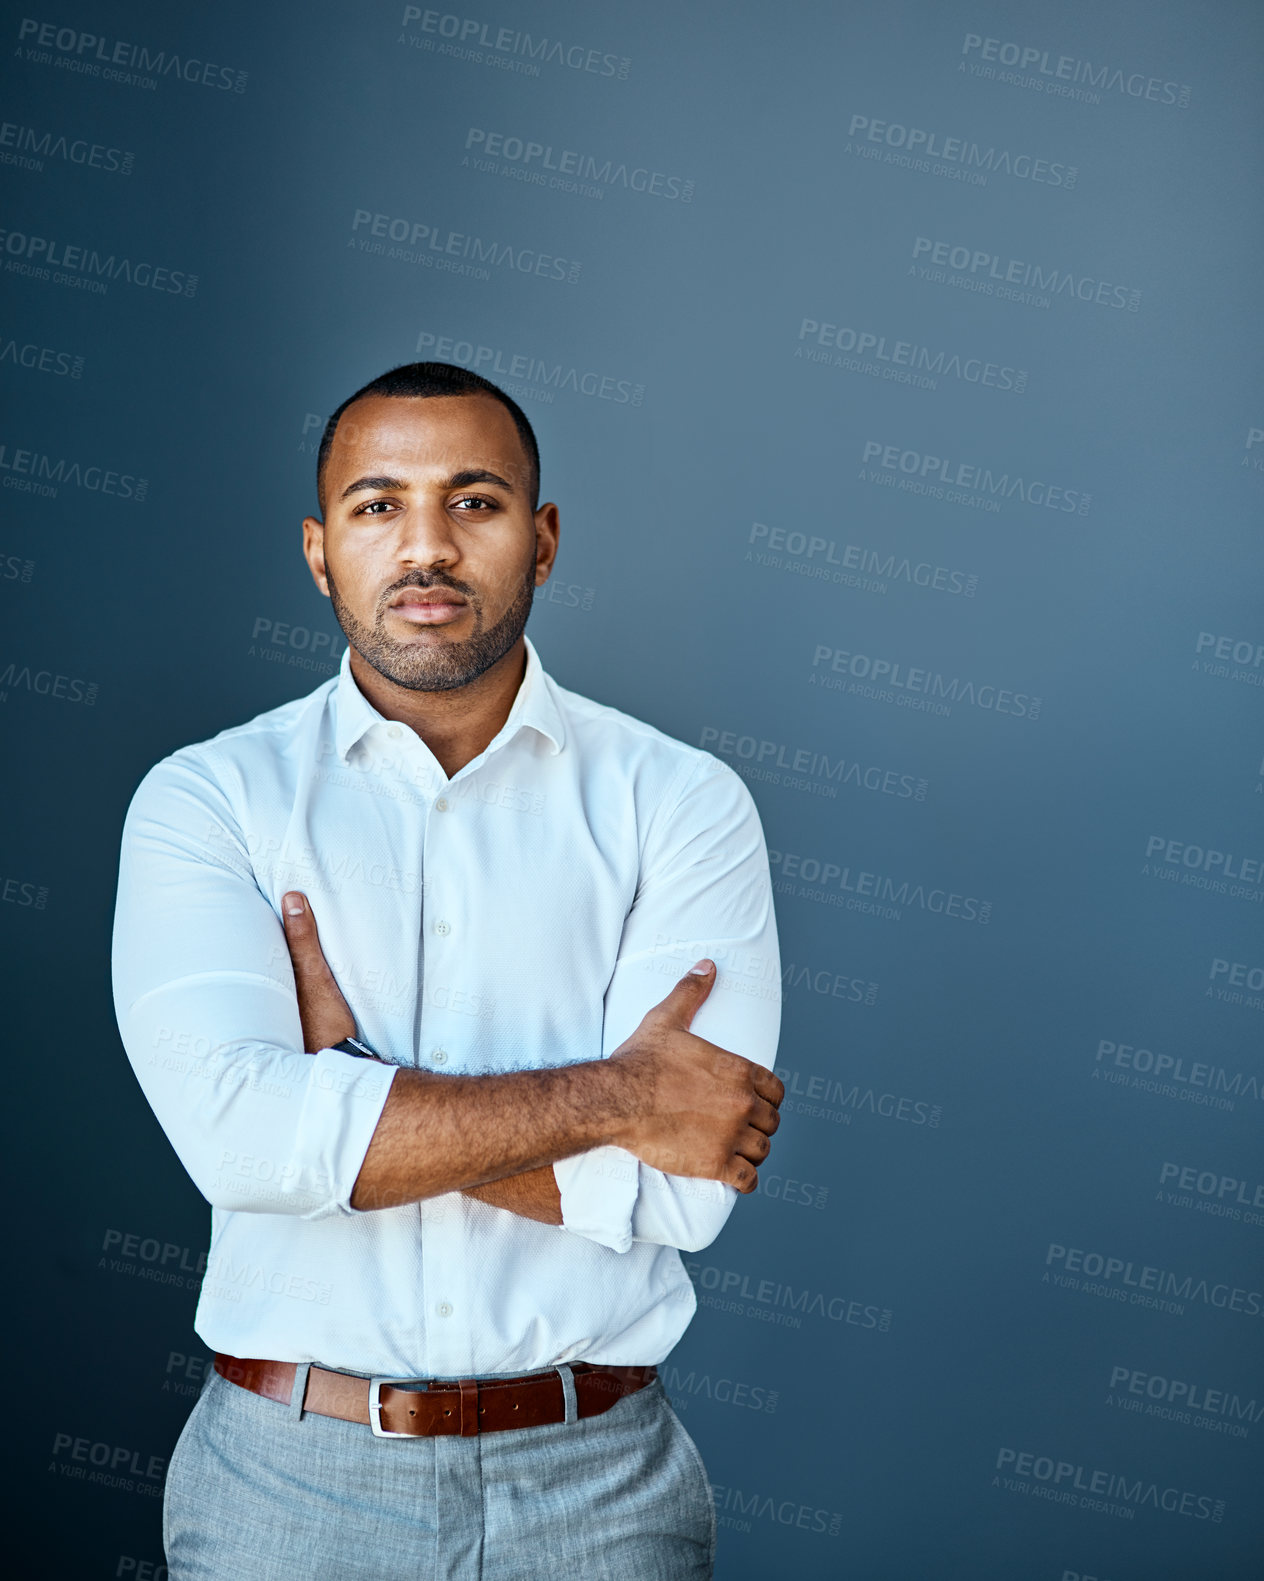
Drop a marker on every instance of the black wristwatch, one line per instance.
(360, 1050)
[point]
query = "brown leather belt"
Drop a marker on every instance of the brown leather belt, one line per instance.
(464, 1406)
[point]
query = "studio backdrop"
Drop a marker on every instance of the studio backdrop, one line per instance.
(895, 369)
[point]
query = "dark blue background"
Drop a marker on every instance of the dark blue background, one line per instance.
(875, 1448)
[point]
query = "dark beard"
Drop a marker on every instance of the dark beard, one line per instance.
(434, 669)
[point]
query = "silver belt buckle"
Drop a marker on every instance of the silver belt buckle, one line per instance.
(375, 1409)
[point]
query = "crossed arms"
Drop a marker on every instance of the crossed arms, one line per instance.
(675, 1101)
(216, 1022)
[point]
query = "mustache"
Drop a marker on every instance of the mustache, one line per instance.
(427, 579)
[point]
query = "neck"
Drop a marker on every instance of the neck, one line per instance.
(456, 725)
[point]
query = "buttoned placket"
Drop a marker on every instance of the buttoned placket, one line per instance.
(426, 785)
(443, 1264)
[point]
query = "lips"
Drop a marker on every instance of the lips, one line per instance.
(430, 606)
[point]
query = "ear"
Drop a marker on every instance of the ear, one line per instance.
(547, 527)
(314, 551)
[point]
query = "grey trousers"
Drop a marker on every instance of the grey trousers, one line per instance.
(256, 1493)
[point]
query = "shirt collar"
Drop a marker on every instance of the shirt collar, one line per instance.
(535, 705)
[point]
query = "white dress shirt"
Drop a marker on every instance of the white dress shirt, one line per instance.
(525, 913)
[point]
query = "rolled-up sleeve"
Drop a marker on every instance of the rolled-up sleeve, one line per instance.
(705, 890)
(204, 995)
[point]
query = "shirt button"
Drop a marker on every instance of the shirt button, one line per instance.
(444, 1309)
(442, 804)
(439, 1056)
(442, 928)
(394, 732)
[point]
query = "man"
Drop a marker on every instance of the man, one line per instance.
(479, 1184)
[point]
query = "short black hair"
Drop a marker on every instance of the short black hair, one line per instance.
(427, 379)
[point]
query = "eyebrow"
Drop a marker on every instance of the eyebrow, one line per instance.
(362, 484)
(458, 480)
(461, 480)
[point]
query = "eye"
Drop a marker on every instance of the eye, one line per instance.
(370, 508)
(476, 503)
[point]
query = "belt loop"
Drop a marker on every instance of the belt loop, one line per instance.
(568, 1393)
(299, 1392)
(469, 1406)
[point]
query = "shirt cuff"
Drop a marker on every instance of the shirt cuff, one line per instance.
(341, 1109)
(598, 1191)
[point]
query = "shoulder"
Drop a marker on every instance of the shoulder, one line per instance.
(252, 754)
(607, 740)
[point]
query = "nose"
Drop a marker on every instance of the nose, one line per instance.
(425, 538)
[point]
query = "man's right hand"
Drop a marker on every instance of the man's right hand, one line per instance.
(697, 1109)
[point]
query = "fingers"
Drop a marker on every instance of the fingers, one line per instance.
(743, 1071)
(310, 965)
(325, 1014)
(743, 1171)
(763, 1116)
(768, 1085)
(754, 1146)
(686, 998)
(765, 1090)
